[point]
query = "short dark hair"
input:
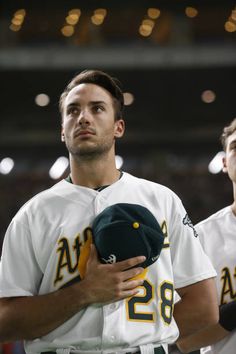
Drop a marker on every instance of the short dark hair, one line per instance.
(227, 131)
(99, 78)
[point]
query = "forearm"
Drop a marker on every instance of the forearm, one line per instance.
(202, 338)
(211, 334)
(35, 316)
(188, 318)
(197, 308)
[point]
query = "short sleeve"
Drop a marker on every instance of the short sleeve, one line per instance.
(20, 274)
(190, 263)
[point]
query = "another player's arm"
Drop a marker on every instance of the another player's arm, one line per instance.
(202, 338)
(214, 333)
(35, 316)
(197, 308)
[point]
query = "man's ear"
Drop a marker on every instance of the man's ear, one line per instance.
(224, 169)
(119, 128)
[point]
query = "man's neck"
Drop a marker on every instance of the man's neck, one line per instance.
(95, 174)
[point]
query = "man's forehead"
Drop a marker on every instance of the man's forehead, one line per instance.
(91, 91)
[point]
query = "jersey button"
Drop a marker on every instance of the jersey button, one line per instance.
(113, 338)
(113, 306)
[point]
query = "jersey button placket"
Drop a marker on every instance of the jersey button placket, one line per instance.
(111, 331)
(100, 203)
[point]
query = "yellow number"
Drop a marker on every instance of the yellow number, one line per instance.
(166, 291)
(144, 299)
(166, 304)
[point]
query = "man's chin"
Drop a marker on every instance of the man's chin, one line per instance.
(87, 153)
(89, 150)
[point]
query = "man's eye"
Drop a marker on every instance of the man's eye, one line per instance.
(98, 109)
(73, 110)
(232, 145)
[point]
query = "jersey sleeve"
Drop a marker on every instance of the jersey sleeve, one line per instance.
(20, 274)
(190, 263)
(201, 234)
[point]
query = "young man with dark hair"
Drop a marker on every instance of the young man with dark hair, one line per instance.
(218, 237)
(113, 307)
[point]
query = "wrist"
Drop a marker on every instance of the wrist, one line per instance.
(85, 293)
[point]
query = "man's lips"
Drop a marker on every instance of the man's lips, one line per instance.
(84, 133)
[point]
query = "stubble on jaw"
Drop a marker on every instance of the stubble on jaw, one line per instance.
(90, 153)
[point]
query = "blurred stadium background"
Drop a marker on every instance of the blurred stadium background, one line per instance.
(177, 62)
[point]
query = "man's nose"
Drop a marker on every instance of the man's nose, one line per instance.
(84, 118)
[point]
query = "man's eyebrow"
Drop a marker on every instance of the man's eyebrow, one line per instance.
(232, 142)
(97, 102)
(91, 103)
(73, 104)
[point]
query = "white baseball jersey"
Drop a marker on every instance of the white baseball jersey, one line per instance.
(218, 237)
(41, 251)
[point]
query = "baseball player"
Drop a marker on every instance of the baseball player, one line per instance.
(217, 234)
(113, 307)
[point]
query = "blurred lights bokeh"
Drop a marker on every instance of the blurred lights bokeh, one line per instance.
(153, 13)
(233, 15)
(208, 96)
(230, 24)
(216, 164)
(148, 23)
(75, 12)
(17, 20)
(71, 20)
(128, 98)
(59, 167)
(6, 165)
(42, 100)
(98, 16)
(191, 11)
(119, 161)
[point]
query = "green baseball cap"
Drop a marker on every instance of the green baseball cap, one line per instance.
(124, 230)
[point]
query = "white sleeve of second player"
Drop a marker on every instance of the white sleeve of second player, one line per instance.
(19, 272)
(190, 263)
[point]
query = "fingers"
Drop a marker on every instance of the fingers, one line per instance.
(133, 284)
(130, 288)
(119, 266)
(129, 263)
(120, 271)
(112, 282)
(131, 273)
(127, 269)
